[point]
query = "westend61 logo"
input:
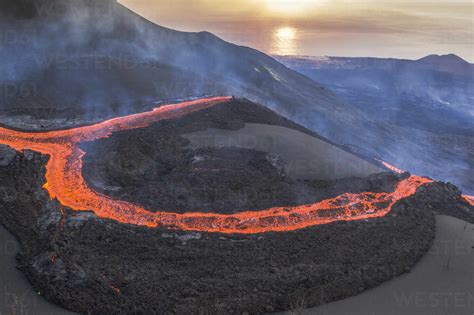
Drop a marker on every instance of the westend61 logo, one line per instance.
(93, 61)
(18, 89)
(458, 301)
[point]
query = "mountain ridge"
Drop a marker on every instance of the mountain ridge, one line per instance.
(449, 63)
(444, 58)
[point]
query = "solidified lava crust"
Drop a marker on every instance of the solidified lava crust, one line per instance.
(102, 266)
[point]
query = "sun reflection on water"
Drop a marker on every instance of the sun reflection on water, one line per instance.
(285, 41)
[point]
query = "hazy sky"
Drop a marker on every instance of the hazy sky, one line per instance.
(403, 29)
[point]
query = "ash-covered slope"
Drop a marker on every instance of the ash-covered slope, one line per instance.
(97, 55)
(88, 57)
(422, 109)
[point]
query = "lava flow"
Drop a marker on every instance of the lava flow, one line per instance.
(65, 183)
(469, 199)
(391, 167)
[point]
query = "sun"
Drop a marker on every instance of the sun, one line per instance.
(285, 41)
(286, 33)
(289, 7)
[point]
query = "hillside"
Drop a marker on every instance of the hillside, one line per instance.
(422, 108)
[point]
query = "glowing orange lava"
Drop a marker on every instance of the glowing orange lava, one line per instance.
(65, 183)
(391, 167)
(469, 199)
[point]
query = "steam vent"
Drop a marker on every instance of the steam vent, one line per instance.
(145, 170)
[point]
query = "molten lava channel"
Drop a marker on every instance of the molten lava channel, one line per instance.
(65, 183)
(469, 199)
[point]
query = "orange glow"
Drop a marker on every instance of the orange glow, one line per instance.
(469, 199)
(66, 184)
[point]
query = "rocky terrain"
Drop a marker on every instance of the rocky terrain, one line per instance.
(99, 266)
(87, 264)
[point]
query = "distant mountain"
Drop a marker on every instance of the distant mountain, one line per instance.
(451, 63)
(447, 63)
(427, 105)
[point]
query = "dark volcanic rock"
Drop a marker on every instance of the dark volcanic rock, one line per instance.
(446, 199)
(100, 266)
(7, 155)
